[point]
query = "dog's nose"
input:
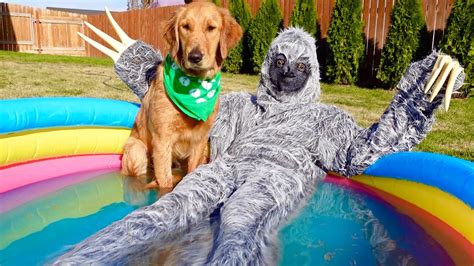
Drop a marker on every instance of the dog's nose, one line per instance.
(195, 56)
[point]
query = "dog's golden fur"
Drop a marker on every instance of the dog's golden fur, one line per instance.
(161, 131)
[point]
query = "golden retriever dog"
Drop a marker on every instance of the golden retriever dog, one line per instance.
(200, 36)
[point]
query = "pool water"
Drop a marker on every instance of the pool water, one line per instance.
(338, 226)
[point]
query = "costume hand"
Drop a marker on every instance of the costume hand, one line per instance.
(445, 66)
(118, 46)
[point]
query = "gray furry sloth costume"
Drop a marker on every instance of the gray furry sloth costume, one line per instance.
(268, 152)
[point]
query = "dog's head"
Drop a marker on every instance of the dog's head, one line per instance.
(200, 36)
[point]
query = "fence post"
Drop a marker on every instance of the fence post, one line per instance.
(38, 30)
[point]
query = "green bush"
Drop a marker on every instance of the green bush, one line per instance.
(402, 42)
(346, 42)
(458, 40)
(262, 30)
(304, 15)
(239, 55)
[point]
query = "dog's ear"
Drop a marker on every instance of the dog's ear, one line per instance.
(171, 33)
(230, 35)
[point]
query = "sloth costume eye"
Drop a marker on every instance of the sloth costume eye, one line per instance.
(301, 67)
(280, 63)
(279, 60)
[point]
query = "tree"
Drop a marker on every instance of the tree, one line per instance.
(239, 55)
(262, 30)
(304, 15)
(139, 4)
(458, 41)
(346, 42)
(402, 42)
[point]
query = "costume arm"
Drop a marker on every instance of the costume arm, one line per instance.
(403, 125)
(228, 122)
(135, 61)
(137, 65)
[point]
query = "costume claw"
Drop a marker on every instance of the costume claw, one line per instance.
(448, 66)
(118, 46)
(449, 88)
(115, 44)
(127, 41)
(444, 67)
(110, 53)
(436, 69)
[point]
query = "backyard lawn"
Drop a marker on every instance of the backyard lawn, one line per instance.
(27, 75)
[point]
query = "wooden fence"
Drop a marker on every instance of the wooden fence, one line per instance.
(44, 31)
(28, 29)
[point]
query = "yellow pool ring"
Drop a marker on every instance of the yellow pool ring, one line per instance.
(454, 212)
(56, 142)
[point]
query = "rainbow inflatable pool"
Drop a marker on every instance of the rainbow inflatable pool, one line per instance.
(59, 183)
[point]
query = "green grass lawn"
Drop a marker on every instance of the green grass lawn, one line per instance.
(28, 75)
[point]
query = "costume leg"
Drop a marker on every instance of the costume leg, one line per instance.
(193, 247)
(193, 199)
(252, 216)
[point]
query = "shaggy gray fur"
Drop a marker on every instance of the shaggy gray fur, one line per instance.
(268, 153)
(136, 67)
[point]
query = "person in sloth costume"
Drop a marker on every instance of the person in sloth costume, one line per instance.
(267, 154)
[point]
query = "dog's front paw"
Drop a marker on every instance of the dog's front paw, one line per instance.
(152, 185)
(162, 187)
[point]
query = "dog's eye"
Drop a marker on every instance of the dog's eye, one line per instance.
(280, 62)
(211, 28)
(185, 26)
(301, 67)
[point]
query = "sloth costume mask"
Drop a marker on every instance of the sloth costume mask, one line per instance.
(268, 152)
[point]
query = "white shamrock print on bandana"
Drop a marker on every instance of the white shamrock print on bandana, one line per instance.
(211, 93)
(206, 84)
(195, 93)
(200, 100)
(184, 81)
(174, 66)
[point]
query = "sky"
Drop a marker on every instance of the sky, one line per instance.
(114, 5)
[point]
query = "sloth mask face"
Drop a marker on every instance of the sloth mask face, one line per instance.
(289, 76)
(290, 72)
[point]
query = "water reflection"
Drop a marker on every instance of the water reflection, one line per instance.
(337, 226)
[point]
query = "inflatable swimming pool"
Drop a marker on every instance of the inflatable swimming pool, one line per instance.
(59, 183)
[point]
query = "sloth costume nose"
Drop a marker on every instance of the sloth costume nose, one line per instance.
(288, 72)
(195, 56)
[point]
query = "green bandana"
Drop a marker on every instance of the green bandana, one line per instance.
(193, 96)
